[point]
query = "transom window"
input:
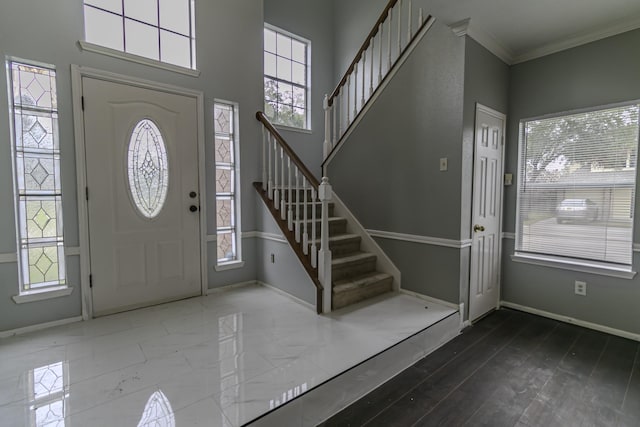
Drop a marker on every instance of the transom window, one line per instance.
(38, 187)
(226, 154)
(157, 29)
(576, 190)
(286, 78)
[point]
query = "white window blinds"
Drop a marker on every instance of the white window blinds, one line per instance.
(576, 186)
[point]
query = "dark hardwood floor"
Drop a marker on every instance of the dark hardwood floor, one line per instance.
(511, 369)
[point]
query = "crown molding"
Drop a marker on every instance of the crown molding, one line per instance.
(465, 28)
(578, 40)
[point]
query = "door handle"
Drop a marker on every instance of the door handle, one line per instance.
(193, 208)
(477, 228)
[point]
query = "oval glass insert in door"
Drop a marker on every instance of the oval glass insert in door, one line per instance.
(148, 168)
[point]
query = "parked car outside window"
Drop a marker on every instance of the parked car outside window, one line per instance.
(576, 210)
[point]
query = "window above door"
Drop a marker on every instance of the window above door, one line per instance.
(160, 33)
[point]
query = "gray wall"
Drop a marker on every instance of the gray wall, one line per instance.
(598, 73)
(286, 271)
(388, 171)
(486, 81)
(229, 45)
(312, 20)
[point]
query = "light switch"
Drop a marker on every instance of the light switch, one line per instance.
(508, 178)
(443, 164)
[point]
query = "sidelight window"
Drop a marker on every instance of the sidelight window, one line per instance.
(38, 186)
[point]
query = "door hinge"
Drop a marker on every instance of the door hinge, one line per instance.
(91, 280)
(86, 192)
(82, 102)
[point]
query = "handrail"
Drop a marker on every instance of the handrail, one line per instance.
(364, 47)
(292, 155)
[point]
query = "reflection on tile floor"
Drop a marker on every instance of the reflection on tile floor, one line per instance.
(220, 360)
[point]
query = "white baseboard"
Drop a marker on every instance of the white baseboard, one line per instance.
(231, 287)
(38, 327)
(573, 321)
(285, 294)
(456, 307)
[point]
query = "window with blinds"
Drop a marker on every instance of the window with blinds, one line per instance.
(576, 186)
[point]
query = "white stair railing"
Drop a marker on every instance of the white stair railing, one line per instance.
(295, 194)
(382, 48)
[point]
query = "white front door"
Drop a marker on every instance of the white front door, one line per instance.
(484, 292)
(141, 151)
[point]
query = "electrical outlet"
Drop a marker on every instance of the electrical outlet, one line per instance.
(443, 164)
(581, 288)
(273, 258)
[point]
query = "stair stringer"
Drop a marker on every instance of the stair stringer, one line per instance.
(367, 244)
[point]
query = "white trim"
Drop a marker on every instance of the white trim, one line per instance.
(619, 28)
(39, 327)
(507, 235)
(574, 265)
(464, 28)
(230, 265)
(77, 73)
(114, 53)
(8, 258)
(571, 320)
(292, 129)
(288, 295)
(266, 236)
(72, 251)
(433, 300)
(378, 91)
(41, 295)
(226, 288)
(254, 235)
(425, 240)
(12, 257)
(636, 247)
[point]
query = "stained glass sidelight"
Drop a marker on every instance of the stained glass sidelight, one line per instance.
(227, 247)
(36, 164)
(148, 168)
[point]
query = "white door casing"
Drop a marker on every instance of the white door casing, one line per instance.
(135, 260)
(488, 167)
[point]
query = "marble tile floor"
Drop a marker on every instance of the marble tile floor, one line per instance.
(219, 360)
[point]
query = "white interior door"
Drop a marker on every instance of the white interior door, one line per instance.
(484, 292)
(142, 178)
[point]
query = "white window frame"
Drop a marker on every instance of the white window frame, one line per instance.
(307, 87)
(561, 262)
(236, 229)
(123, 54)
(59, 287)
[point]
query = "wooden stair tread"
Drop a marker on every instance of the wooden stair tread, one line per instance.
(339, 238)
(347, 285)
(354, 257)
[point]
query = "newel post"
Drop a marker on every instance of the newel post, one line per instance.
(324, 256)
(326, 147)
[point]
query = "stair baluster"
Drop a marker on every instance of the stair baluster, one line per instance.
(389, 31)
(290, 202)
(283, 210)
(305, 225)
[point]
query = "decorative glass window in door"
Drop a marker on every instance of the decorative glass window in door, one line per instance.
(36, 165)
(228, 244)
(162, 30)
(148, 169)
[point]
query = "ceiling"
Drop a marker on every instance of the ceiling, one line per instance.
(519, 30)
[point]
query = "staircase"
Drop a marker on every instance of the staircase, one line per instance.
(330, 247)
(353, 271)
